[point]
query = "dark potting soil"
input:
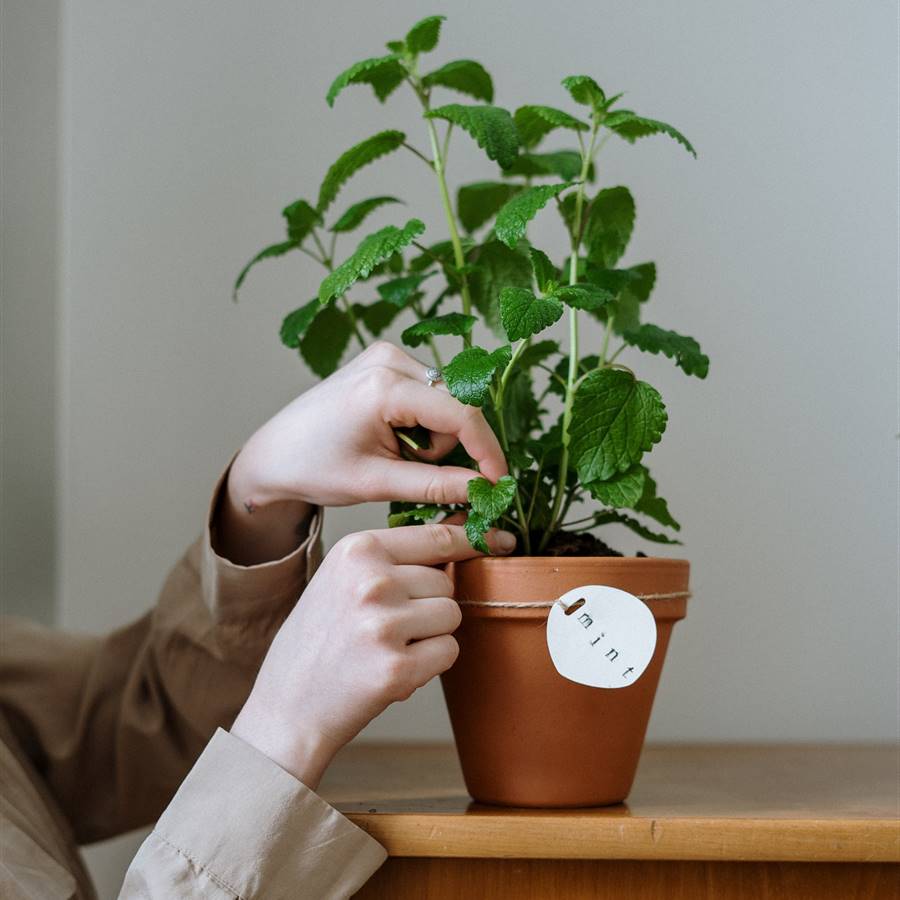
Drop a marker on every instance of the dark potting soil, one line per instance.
(567, 543)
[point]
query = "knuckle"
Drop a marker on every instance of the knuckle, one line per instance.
(357, 546)
(454, 614)
(451, 652)
(375, 588)
(382, 352)
(397, 680)
(376, 630)
(449, 588)
(441, 538)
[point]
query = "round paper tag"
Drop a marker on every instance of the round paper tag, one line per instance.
(607, 640)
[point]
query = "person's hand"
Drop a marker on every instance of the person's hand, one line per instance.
(373, 625)
(335, 445)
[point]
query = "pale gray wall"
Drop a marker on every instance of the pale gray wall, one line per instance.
(29, 219)
(186, 128)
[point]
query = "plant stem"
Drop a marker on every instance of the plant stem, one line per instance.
(421, 155)
(328, 262)
(586, 159)
(354, 323)
(417, 309)
(605, 349)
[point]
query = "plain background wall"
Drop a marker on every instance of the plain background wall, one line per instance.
(185, 128)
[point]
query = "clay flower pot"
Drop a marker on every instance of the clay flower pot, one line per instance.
(526, 736)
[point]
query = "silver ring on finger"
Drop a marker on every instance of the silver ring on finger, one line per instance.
(433, 375)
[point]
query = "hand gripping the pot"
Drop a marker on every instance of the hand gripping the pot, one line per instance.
(335, 445)
(373, 625)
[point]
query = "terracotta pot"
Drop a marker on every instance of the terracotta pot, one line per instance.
(526, 736)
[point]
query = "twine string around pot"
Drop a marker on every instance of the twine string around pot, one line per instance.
(546, 604)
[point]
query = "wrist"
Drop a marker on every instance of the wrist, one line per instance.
(300, 750)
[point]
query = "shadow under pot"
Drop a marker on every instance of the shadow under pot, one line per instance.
(527, 736)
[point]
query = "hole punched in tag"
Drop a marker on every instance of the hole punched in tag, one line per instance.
(572, 607)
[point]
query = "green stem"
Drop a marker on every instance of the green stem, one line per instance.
(417, 309)
(354, 323)
(605, 349)
(328, 262)
(586, 159)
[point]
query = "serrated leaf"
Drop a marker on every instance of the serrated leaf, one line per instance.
(451, 323)
(295, 323)
(545, 273)
(375, 316)
(608, 227)
(524, 315)
(267, 253)
(496, 267)
(492, 127)
(623, 490)
(537, 353)
(399, 291)
(374, 249)
(476, 528)
(513, 218)
(584, 90)
(325, 340)
(565, 164)
(630, 126)
(683, 350)
(615, 420)
(383, 73)
(465, 76)
(469, 374)
(477, 203)
(300, 219)
(611, 517)
(351, 161)
(357, 214)
(653, 506)
(583, 296)
(411, 514)
(534, 123)
(490, 501)
(423, 36)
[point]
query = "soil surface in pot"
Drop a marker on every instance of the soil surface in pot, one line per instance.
(568, 543)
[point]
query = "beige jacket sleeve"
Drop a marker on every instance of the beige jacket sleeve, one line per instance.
(241, 827)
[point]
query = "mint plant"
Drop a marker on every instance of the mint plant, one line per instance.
(489, 270)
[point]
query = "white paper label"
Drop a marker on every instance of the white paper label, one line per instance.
(606, 641)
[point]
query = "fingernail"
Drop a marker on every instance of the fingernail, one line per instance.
(504, 541)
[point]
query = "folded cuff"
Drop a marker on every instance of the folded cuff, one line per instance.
(259, 832)
(255, 599)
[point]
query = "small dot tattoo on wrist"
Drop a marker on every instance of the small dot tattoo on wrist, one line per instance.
(250, 506)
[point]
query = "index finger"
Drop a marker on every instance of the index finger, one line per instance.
(418, 404)
(436, 544)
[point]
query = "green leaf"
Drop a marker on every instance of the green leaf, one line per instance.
(583, 296)
(611, 517)
(411, 514)
(584, 90)
(513, 218)
(565, 164)
(357, 214)
(523, 314)
(452, 323)
(641, 281)
(469, 374)
(376, 316)
(399, 291)
(610, 221)
(383, 73)
(350, 162)
(545, 273)
(476, 528)
(537, 353)
(630, 126)
(490, 501)
(423, 36)
(491, 126)
(623, 490)
(300, 219)
(534, 123)
(477, 203)
(655, 507)
(295, 324)
(496, 267)
(684, 350)
(465, 76)
(268, 253)
(374, 249)
(325, 340)
(521, 409)
(615, 420)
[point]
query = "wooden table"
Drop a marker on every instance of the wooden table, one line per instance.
(708, 821)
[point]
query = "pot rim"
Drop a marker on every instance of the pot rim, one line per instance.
(573, 560)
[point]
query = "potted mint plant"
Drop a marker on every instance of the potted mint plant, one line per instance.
(574, 419)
